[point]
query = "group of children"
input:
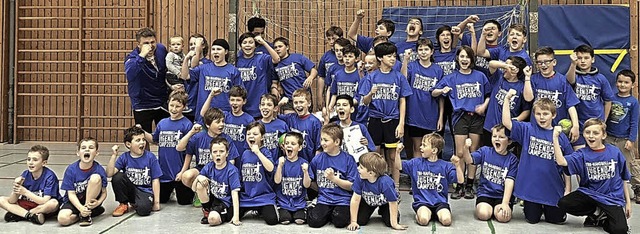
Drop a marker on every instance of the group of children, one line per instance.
(260, 150)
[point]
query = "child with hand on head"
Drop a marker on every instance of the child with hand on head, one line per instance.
(499, 168)
(135, 175)
(540, 182)
(85, 183)
(430, 180)
(603, 195)
(218, 187)
(374, 189)
(335, 172)
(256, 173)
(292, 178)
(622, 125)
(35, 193)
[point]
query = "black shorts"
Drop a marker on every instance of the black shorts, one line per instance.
(469, 123)
(434, 209)
(81, 197)
(226, 213)
(383, 132)
(493, 202)
(413, 131)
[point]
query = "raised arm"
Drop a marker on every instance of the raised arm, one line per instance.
(405, 63)
(353, 29)
(571, 73)
(559, 156)
(482, 45)
(527, 93)
(506, 109)
(207, 104)
(182, 143)
(275, 58)
(111, 166)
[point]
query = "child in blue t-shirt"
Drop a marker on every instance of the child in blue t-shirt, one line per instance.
(508, 75)
(256, 70)
(592, 88)
(191, 85)
(304, 122)
(346, 79)
(337, 64)
(540, 182)
(385, 92)
(344, 108)
(622, 125)
(424, 112)
(274, 127)
(256, 173)
(374, 189)
(236, 121)
(329, 58)
(197, 143)
(516, 42)
(550, 84)
(384, 27)
(499, 168)
(85, 183)
(292, 178)
(218, 186)
(430, 180)
(292, 69)
(603, 174)
(335, 172)
(468, 90)
(35, 193)
(173, 162)
(135, 175)
(219, 75)
(414, 31)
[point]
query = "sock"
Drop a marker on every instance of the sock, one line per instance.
(459, 187)
(469, 182)
(206, 205)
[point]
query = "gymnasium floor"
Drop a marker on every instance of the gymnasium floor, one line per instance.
(182, 219)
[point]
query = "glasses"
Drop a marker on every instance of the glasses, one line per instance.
(545, 62)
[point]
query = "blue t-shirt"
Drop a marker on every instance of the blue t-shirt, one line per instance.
(602, 173)
(291, 193)
(429, 180)
(141, 171)
(365, 133)
(539, 178)
(404, 45)
(291, 72)
(495, 169)
(364, 43)
(255, 73)
(391, 87)
(422, 108)
(482, 63)
(327, 60)
(592, 91)
(146, 83)
(517, 104)
(558, 90)
(200, 146)
(191, 86)
(46, 185)
(209, 76)
(502, 53)
(378, 193)
(623, 118)
(331, 73)
(345, 82)
(167, 134)
(256, 181)
(467, 91)
(235, 128)
(309, 126)
(344, 167)
(446, 61)
(77, 180)
(222, 181)
(273, 131)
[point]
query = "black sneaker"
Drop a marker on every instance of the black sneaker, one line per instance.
(10, 217)
(85, 221)
(36, 218)
(468, 192)
(595, 220)
(459, 193)
(97, 211)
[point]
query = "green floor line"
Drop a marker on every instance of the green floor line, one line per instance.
(433, 227)
(493, 229)
(118, 223)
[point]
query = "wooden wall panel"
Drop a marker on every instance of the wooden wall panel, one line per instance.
(5, 50)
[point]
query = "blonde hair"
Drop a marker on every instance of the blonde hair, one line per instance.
(176, 38)
(544, 104)
(435, 140)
